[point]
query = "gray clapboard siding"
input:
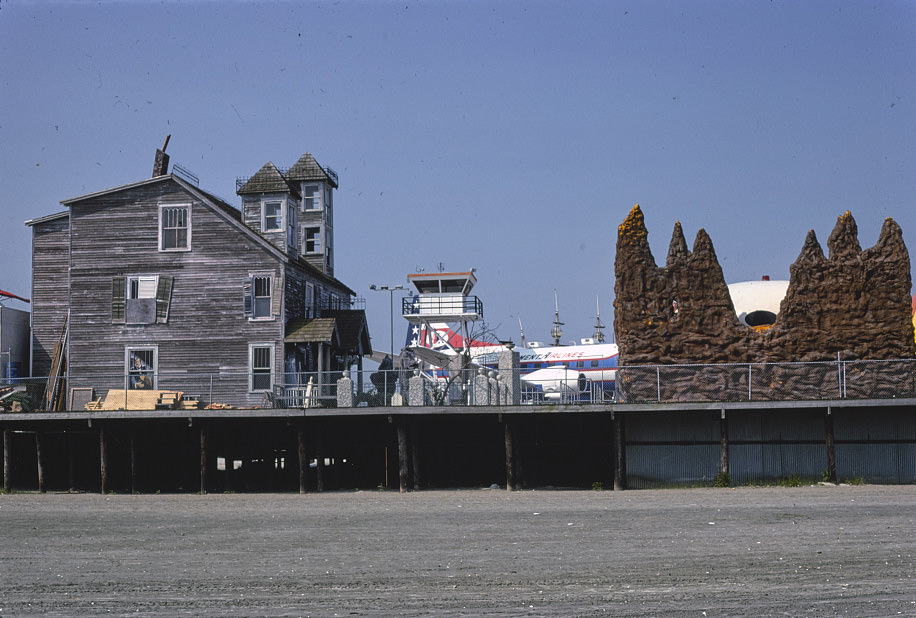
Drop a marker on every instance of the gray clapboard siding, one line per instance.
(197, 322)
(50, 247)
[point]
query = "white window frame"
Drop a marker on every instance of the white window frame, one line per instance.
(251, 352)
(154, 369)
(318, 197)
(162, 217)
(319, 240)
(142, 291)
(281, 224)
(255, 297)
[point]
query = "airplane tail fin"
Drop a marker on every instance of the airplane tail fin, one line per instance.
(439, 335)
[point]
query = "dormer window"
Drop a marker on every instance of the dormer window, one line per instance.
(311, 196)
(271, 216)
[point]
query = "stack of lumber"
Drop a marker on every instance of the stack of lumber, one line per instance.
(120, 399)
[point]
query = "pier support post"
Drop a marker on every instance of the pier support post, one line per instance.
(510, 457)
(7, 459)
(831, 448)
(40, 462)
(203, 461)
(103, 462)
(723, 444)
(620, 452)
(303, 460)
(403, 462)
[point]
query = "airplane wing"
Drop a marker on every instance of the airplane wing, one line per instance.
(433, 357)
(379, 356)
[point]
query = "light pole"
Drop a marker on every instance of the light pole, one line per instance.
(390, 289)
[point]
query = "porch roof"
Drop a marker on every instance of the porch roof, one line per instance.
(312, 330)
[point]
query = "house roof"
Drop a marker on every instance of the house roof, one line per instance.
(268, 179)
(307, 168)
(58, 215)
(229, 211)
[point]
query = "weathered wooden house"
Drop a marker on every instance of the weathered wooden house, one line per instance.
(159, 284)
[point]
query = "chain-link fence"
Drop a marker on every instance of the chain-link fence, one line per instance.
(861, 379)
(152, 390)
(471, 387)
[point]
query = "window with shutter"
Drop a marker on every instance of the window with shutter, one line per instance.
(263, 294)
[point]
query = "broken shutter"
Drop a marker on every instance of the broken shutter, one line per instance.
(163, 299)
(277, 296)
(247, 303)
(118, 299)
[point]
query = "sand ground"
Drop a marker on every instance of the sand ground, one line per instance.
(776, 551)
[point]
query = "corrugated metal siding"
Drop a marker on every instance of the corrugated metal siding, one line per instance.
(876, 445)
(672, 448)
(682, 448)
(664, 466)
(769, 445)
(753, 463)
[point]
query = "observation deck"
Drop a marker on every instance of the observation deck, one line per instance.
(442, 297)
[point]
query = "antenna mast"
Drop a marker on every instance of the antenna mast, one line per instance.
(599, 336)
(556, 332)
(522, 332)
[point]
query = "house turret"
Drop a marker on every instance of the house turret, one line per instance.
(294, 209)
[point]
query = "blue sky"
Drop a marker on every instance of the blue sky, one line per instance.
(512, 137)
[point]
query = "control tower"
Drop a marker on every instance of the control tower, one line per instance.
(441, 298)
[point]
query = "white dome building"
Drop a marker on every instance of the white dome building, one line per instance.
(757, 302)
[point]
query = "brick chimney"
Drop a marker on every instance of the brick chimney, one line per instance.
(161, 164)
